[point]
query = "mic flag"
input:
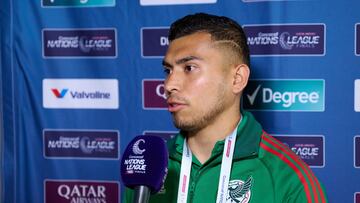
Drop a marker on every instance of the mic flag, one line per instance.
(144, 163)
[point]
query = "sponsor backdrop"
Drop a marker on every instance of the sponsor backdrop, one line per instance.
(81, 78)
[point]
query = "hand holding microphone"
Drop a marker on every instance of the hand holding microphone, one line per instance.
(144, 166)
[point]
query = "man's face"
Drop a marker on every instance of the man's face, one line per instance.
(198, 81)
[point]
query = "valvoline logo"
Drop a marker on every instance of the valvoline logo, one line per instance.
(59, 94)
(81, 93)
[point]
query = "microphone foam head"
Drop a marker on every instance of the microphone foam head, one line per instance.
(145, 162)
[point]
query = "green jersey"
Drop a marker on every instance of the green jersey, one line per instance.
(263, 170)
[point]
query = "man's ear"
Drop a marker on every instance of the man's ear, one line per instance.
(241, 77)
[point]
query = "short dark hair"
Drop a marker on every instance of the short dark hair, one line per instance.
(221, 28)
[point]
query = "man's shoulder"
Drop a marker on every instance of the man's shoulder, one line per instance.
(277, 155)
(290, 174)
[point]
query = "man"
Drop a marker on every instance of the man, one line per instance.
(222, 154)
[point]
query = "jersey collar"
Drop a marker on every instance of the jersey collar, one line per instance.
(247, 142)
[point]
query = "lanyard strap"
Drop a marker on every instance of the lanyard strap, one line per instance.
(184, 174)
(226, 167)
(186, 162)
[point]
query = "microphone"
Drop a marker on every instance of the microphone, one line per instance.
(144, 166)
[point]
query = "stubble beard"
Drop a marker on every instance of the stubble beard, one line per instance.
(205, 117)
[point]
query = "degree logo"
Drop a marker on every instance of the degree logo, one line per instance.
(58, 94)
(285, 95)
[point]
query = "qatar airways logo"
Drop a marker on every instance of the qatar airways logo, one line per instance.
(77, 3)
(174, 2)
(82, 144)
(357, 197)
(285, 95)
(80, 191)
(153, 94)
(80, 93)
(67, 43)
(310, 148)
(287, 39)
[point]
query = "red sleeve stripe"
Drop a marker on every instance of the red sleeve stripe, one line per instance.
(303, 166)
(299, 161)
(297, 171)
(295, 158)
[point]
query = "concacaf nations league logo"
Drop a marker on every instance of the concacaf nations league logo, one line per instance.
(239, 191)
(81, 144)
(286, 39)
(81, 43)
(310, 148)
(136, 149)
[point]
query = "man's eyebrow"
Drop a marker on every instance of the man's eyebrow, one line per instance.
(166, 64)
(181, 61)
(187, 59)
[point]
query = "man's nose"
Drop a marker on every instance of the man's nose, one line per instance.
(172, 83)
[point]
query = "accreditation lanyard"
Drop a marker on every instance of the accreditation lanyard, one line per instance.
(224, 172)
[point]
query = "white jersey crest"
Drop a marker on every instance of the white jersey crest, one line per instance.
(239, 191)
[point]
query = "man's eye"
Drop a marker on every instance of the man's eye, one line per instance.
(167, 71)
(189, 68)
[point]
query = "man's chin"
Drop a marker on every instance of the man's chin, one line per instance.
(184, 126)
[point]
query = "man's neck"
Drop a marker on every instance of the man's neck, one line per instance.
(203, 141)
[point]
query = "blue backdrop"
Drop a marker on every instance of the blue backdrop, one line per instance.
(81, 78)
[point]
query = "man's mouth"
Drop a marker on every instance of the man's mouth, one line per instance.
(174, 106)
